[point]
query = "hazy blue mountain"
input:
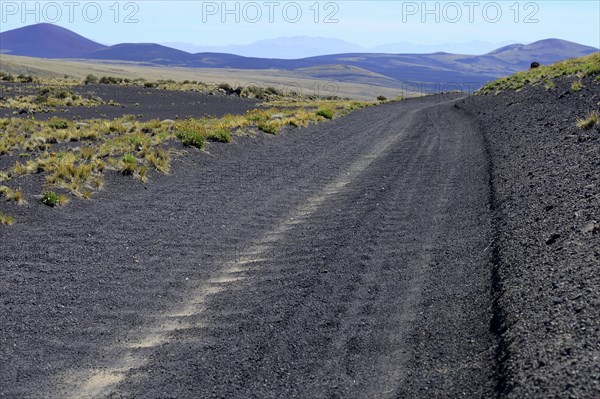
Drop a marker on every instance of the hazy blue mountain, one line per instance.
(471, 47)
(282, 47)
(304, 46)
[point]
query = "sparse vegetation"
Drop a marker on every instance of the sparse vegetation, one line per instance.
(21, 78)
(90, 79)
(590, 121)
(546, 74)
(220, 135)
(325, 113)
(225, 86)
(73, 157)
(48, 97)
(576, 86)
(381, 98)
(56, 123)
(270, 127)
(50, 198)
(110, 80)
(6, 219)
(192, 134)
(16, 196)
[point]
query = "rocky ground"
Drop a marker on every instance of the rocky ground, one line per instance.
(434, 247)
(144, 103)
(545, 177)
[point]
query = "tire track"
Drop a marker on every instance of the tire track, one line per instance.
(133, 355)
(306, 265)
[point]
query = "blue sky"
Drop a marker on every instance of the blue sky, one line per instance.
(367, 23)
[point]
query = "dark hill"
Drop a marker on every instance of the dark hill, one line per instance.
(46, 41)
(546, 51)
(142, 52)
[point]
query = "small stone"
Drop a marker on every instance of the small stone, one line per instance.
(552, 239)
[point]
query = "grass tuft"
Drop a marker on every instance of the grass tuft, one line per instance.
(128, 164)
(159, 159)
(590, 121)
(16, 196)
(6, 219)
(58, 124)
(576, 86)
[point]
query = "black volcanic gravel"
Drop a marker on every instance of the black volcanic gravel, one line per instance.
(145, 103)
(320, 263)
(545, 174)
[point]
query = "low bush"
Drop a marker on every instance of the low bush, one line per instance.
(225, 86)
(191, 135)
(50, 198)
(90, 79)
(325, 113)
(220, 135)
(110, 80)
(270, 127)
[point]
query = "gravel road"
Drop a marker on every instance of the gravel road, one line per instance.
(349, 259)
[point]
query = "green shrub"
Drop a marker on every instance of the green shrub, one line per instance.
(25, 78)
(325, 113)
(128, 164)
(50, 198)
(272, 90)
(257, 115)
(110, 80)
(270, 127)
(128, 158)
(90, 79)
(225, 86)
(253, 91)
(220, 135)
(63, 94)
(191, 136)
(381, 98)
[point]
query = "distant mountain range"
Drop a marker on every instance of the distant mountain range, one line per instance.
(51, 41)
(305, 46)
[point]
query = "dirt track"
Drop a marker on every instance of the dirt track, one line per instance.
(349, 259)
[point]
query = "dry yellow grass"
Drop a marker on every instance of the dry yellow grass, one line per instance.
(129, 146)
